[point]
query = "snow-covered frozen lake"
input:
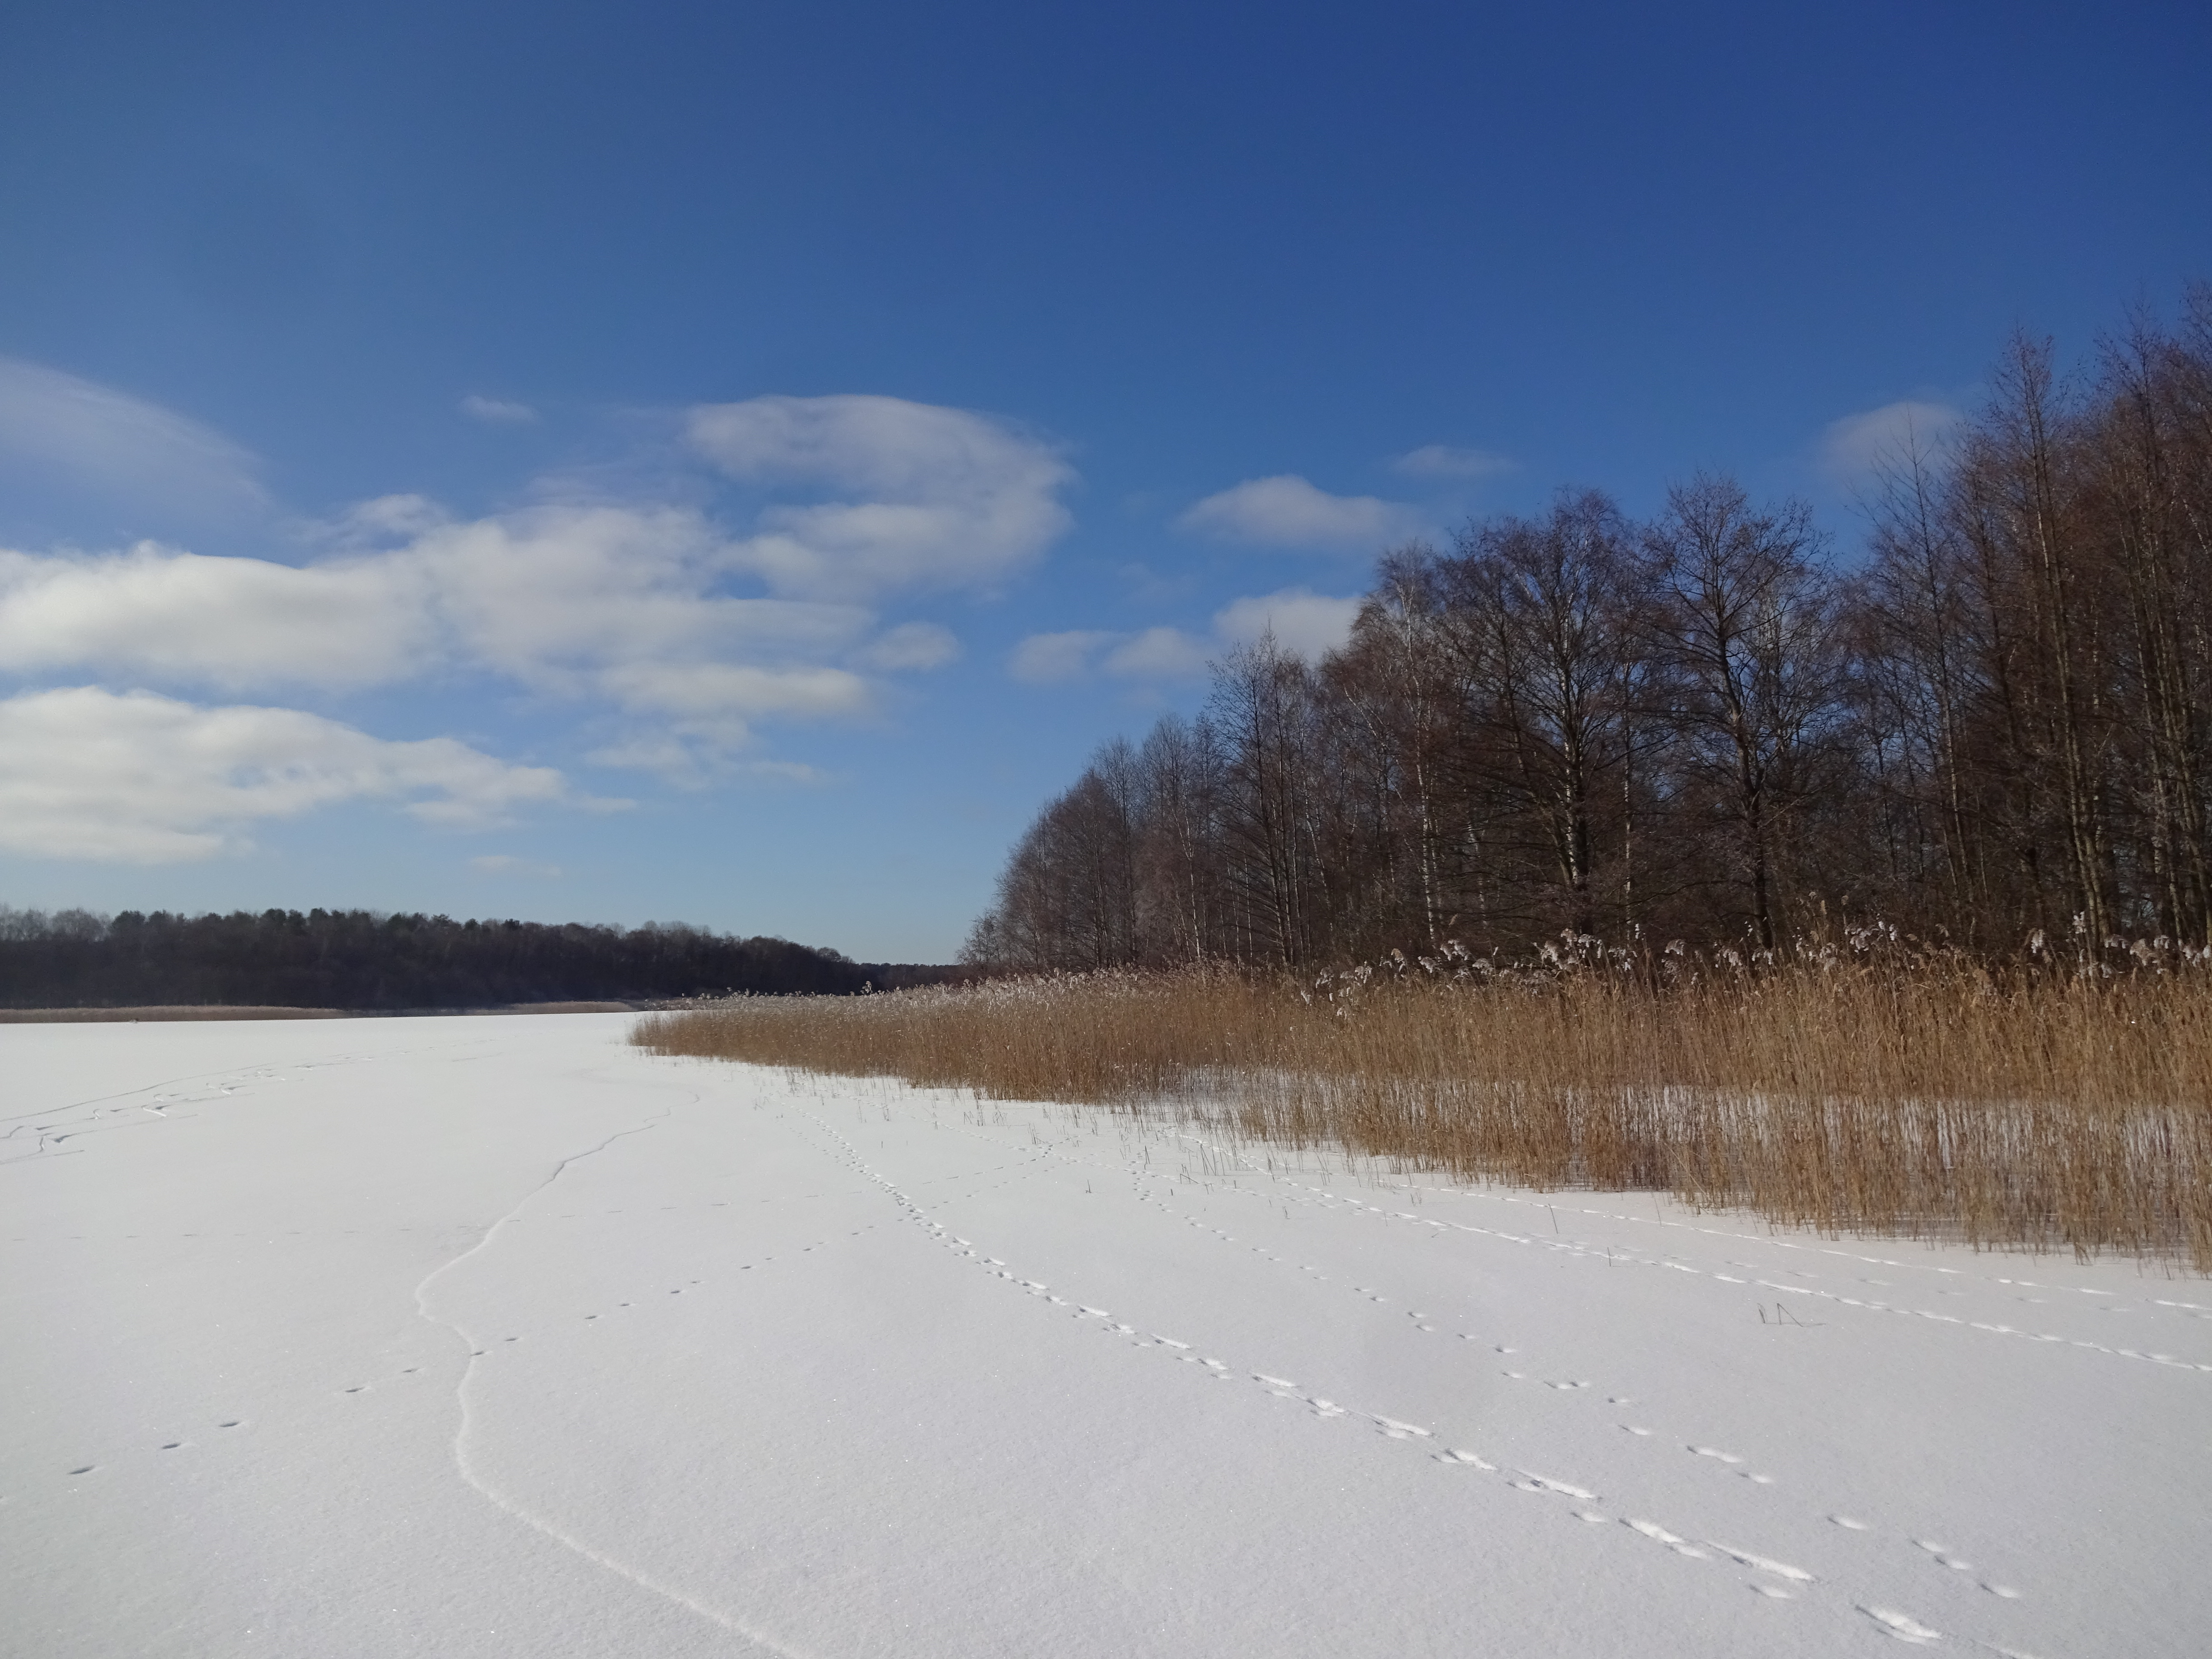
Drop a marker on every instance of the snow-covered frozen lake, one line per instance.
(465, 1337)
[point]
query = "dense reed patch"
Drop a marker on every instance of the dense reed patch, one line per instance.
(1930, 1097)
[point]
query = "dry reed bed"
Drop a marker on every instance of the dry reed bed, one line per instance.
(1940, 1102)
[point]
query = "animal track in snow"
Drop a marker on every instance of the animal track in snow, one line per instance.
(1614, 1255)
(1798, 1287)
(1902, 1625)
(1371, 1294)
(1943, 1556)
(1659, 1534)
(1531, 1482)
(1764, 1564)
(1732, 1460)
(1779, 1580)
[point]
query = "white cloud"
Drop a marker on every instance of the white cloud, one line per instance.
(578, 598)
(910, 646)
(1288, 511)
(936, 497)
(575, 597)
(94, 437)
(652, 610)
(1046, 659)
(1311, 624)
(785, 772)
(1443, 461)
(581, 601)
(661, 753)
(740, 690)
(692, 755)
(383, 521)
(1858, 447)
(1159, 653)
(1304, 623)
(230, 622)
(141, 779)
(497, 411)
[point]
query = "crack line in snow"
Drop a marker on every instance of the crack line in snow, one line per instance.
(551, 1529)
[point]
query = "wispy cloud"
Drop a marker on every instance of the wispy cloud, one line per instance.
(1307, 624)
(1311, 624)
(1444, 462)
(1286, 510)
(1159, 653)
(565, 600)
(234, 623)
(507, 864)
(640, 606)
(93, 437)
(497, 411)
(909, 648)
(1854, 449)
(794, 772)
(693, 755)
(136, 778)
(676, 632)
(742, 690)
(1048, 658)
(933, 497)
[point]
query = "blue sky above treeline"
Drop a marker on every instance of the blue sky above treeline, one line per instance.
(730, 463)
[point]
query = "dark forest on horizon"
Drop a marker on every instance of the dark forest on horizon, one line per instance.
(361, 960)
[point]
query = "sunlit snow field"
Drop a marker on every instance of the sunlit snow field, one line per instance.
(495, 1336)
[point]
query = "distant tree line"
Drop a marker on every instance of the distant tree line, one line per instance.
(1992, 730)
(357, 959)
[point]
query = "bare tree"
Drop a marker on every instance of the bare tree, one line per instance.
(2002, 723)
(1544, 626)
(1915, 638)
(1181, 914)
(2154, 490)
(1746, 615)
(1263, 705)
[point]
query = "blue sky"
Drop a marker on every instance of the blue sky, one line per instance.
(731, 463)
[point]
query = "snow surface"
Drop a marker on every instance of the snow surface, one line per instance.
(494, 1336)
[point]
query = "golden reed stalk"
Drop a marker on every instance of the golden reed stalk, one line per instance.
(1939, 1102)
